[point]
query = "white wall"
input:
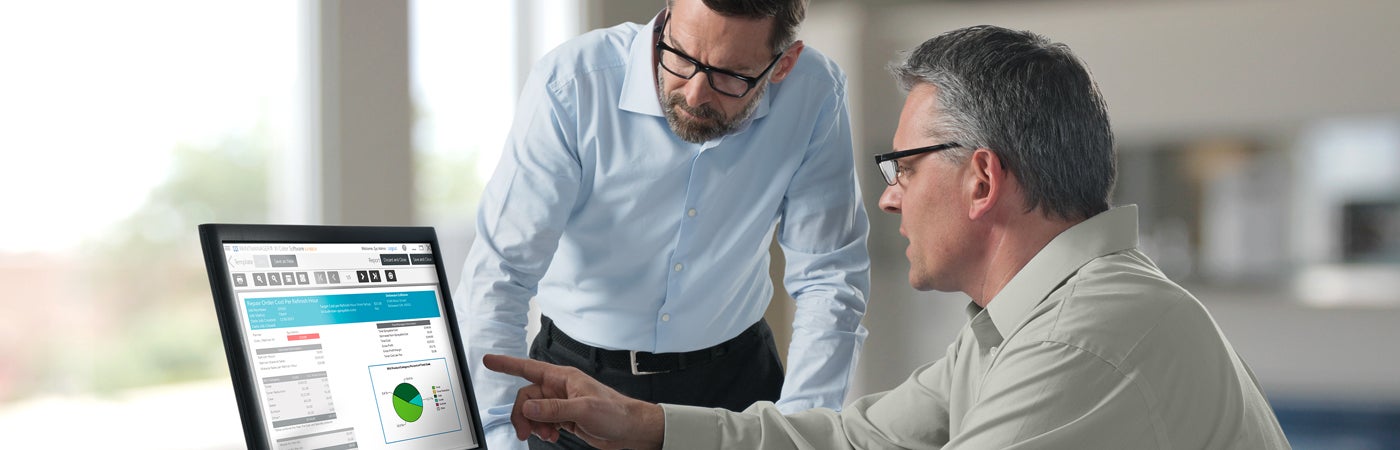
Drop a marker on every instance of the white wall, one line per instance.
(1171, 66)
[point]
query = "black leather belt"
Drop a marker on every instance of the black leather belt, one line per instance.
(647, 363)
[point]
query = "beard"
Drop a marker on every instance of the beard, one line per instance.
(708, 123)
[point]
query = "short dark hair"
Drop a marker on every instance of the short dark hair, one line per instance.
(787, 16)
(1029, 100)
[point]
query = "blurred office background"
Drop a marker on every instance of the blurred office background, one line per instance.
(1261, 140)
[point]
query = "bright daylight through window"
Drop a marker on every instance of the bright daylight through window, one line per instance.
(127, 124)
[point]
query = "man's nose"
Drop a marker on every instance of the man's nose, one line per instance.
(697, 90)
(891, 198)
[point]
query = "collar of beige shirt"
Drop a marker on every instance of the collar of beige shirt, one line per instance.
(1108, 232)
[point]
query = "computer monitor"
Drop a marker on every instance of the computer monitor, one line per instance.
(341, 337)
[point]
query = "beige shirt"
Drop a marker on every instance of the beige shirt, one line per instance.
(1088, 347)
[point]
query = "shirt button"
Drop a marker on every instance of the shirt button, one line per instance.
(665, 317)
(690, 213)
(994, 351)
(679, 266)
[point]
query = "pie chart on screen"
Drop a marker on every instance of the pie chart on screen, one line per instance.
(408, 403)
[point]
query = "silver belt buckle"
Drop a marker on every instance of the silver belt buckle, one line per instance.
(635, 371)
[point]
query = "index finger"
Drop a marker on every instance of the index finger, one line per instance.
(529, 369)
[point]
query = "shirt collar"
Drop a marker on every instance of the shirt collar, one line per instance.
(1108, 232)
(639, 91)
(982, 327)
(639, 84)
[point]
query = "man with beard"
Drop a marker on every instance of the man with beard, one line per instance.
(1001, 175)
(641, 184)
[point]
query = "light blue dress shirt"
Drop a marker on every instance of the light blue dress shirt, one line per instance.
(630, 238)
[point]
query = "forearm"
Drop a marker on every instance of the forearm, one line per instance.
(651, 424)
(827, 335)
(492, 323)
(495, 392)
(493, 310)
(500, 275)
(821, 362)
(761, 426)
(828, 275)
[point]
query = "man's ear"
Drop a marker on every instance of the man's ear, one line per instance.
(787, 62)
(990, 182)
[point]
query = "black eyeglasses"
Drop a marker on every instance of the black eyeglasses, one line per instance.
(890, 169)
(684, 66)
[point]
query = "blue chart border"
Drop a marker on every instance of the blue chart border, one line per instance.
(373, 394)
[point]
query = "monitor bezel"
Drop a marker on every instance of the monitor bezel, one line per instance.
(214, 236)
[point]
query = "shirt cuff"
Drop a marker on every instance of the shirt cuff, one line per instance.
(797, 406)
(502, 437)
(691, 427)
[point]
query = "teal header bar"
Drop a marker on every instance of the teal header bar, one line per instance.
(312, 310)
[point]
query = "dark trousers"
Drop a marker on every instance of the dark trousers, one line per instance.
(749, 371)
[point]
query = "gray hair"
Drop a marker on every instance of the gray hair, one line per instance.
(787, 16)
(1030, 101)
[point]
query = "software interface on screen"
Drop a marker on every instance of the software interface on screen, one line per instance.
(349, 346)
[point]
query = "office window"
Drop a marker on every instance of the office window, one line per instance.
(125, 125)
(468, 60)
(464, 96)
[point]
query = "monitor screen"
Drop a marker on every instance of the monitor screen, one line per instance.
(347, 345)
